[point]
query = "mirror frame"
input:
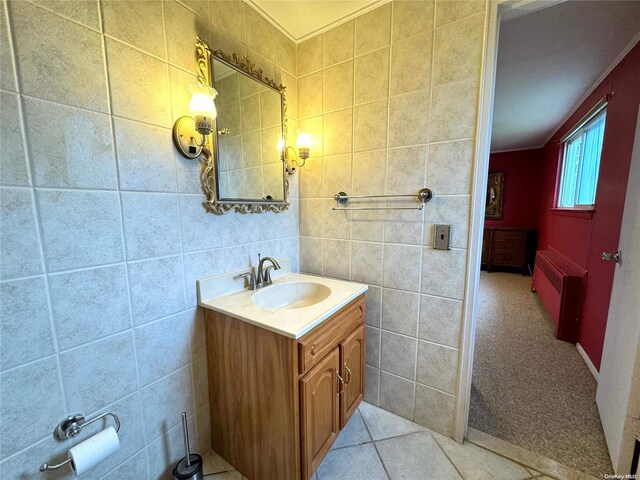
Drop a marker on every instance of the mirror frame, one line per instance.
(209, 174)
(493, 207)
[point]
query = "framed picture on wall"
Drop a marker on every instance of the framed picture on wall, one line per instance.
(495, 185)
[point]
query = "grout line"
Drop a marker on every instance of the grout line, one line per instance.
(447, 456)
(29, 363)
(414, 381)
(525, 466)
(42, 6)
(5, 461)
(374, 443)
(185, 5)
(96, 340)
(116, 158)
(133, 455)
(400, 334)
(66, 189)
(423, 228)
(184, 282)
(384, 467)
(90, 110)
(179, 203)
(105, 66)
(37, 218)
(88, 268)
(459, 20)
(353, 145)
(11, 46)
(379, 376)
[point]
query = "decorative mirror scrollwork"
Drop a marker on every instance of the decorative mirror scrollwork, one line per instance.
(244, 182)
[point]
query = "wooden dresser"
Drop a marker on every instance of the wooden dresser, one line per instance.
(508, 247)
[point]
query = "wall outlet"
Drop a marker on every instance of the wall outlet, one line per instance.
(442, 237)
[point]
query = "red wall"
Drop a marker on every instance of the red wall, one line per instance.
(583, 236)
(521, 196)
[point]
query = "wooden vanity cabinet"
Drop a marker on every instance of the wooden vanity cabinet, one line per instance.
(277, 404)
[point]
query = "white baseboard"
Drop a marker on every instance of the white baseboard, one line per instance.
(587, 360)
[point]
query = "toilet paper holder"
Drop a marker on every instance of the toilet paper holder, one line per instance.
(71, 427)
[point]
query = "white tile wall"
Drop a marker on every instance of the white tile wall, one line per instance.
(415, 68)
(102, 228)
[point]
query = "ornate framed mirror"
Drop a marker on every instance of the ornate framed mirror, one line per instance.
(495, 185)
(243, 168)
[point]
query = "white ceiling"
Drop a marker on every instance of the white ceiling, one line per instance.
(549, 59)
(302, 19)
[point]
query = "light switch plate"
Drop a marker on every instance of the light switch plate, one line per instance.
(442, 236)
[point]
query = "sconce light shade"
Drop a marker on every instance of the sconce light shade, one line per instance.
(202, 107)
(303, 142)
(203, 113)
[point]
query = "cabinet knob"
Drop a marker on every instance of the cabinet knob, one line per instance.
(313, 349)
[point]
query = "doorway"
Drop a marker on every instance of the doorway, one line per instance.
(523, 368)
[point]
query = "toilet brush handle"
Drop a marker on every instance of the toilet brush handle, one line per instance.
(185, 430)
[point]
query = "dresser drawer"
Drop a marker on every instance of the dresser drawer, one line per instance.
(313, 346)
(514, 241)
(510, 245)
(505, 237)
(514, 258)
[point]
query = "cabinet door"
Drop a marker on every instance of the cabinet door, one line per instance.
(320, 413)
(352, 357)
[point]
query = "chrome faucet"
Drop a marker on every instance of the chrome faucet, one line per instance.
(263, 278)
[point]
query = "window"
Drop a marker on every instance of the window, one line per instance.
(581, 162)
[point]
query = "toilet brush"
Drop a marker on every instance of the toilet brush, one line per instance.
(189, 467)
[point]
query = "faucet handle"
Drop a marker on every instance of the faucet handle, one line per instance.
(250, 277)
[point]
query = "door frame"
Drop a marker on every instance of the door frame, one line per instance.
(497, 10)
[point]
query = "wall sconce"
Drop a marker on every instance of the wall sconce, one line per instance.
(303, 143)
(203, 113)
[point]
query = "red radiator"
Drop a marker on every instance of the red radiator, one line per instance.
(558, 281)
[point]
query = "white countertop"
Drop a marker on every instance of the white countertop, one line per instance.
(226, 294)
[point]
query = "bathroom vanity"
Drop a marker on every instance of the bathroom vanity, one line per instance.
(286, 369)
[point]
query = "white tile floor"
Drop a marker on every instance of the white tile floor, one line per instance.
(378, 445)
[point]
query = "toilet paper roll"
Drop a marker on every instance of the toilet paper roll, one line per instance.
(93, 450)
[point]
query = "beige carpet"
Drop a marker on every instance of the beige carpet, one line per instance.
(529, 388)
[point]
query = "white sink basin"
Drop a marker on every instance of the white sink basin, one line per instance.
(292, 306)
(291, 295)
